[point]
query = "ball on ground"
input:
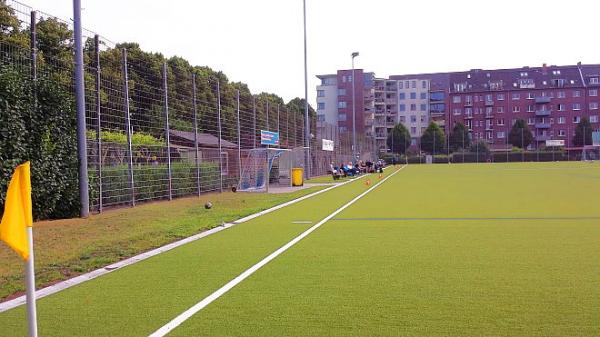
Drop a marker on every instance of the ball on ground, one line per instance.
(233, 189)
(208, 205)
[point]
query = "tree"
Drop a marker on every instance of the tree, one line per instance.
(459, 137)
(583, 133)
(519, 135)
(433, 139)
(398, 139)
(480, 147)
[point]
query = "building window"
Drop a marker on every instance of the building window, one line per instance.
(594, 80)
(576, 119)
(402, 107)
(413, 95)
(423, 95)
(562, 120)
(343, 129)
(594, 119)
(349, 78)
(342, 117)
(561, 94)
(320, 106)
(576, 93)
(341, 92)
(530, 121)
(402, 118)
(594, 92)
(500, 122)
(456, 99)
(489, 98)
(516, 109)
(516, 96)
(424, 84)
(500, 97)
(593, 105)
(414, 84)
(561, 133)
(489, 110)
(400, 85)
(342, 104)
(500, 109)
(413, 130)
(413, 107)
(320, 93)
(576, 106)
(423, 119)
(500, 134)
(402, 95)
(320, 118)
(423, 107)
(561, 107)
(531, 96)
(456, 111)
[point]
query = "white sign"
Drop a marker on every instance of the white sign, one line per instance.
(555, 142)
(327, 145)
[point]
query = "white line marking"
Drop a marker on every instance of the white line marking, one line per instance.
(143, 256)
(165, 329)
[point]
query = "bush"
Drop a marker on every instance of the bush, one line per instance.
(43, 134)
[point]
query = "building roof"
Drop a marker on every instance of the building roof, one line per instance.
(545, 77)
(204, 139)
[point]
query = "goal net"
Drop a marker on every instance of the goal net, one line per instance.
(264, 167)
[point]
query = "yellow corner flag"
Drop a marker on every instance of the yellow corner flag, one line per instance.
(17, 211)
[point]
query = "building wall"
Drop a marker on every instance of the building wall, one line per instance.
(327, 102)
(344, 84)
(413, 106)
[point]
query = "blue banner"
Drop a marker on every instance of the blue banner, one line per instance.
(269, 137)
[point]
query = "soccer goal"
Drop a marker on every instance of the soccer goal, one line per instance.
(590, 153)
(264, 167)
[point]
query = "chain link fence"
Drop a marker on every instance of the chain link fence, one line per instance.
(156, 128)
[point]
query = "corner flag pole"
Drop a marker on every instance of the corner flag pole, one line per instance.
(30, 285)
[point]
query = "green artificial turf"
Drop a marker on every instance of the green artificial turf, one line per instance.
(140, 298)
(436, 277)
(437, 250)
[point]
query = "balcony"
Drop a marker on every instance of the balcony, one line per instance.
(468, 116)
(379, 88)
(380, 136)
(542, 138)
(489, 103)
(542, 113)
(489, 128)
(542, 100)
(468, 103)
(393, 101)
(489, 116)
(542, 125)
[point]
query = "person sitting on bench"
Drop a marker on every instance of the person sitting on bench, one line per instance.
(335, 172)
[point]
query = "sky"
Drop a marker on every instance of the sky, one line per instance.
(260, 42)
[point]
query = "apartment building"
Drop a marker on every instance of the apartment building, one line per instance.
(551, 99)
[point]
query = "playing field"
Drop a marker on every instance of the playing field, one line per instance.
(435, 250)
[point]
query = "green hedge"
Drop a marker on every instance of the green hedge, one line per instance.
(43, 134)
(151, 181)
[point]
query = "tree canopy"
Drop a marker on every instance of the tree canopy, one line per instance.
(433, 139)
(520, 135)
(583, 133)
(459, 138)
(398, 140)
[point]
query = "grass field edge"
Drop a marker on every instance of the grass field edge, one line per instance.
(57, 287)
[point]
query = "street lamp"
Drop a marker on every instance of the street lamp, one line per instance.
(354, 54)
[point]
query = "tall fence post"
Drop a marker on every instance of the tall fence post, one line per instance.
(254, 120)
(128, 125)
(197, 157)
(278, 131)
(84, 197)
(219, 124)
(287, 127)
(239, 135)
(296, 128)
(98, 122)
(167, 131)
(267, 111)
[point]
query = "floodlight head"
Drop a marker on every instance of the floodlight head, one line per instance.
(355, 54)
